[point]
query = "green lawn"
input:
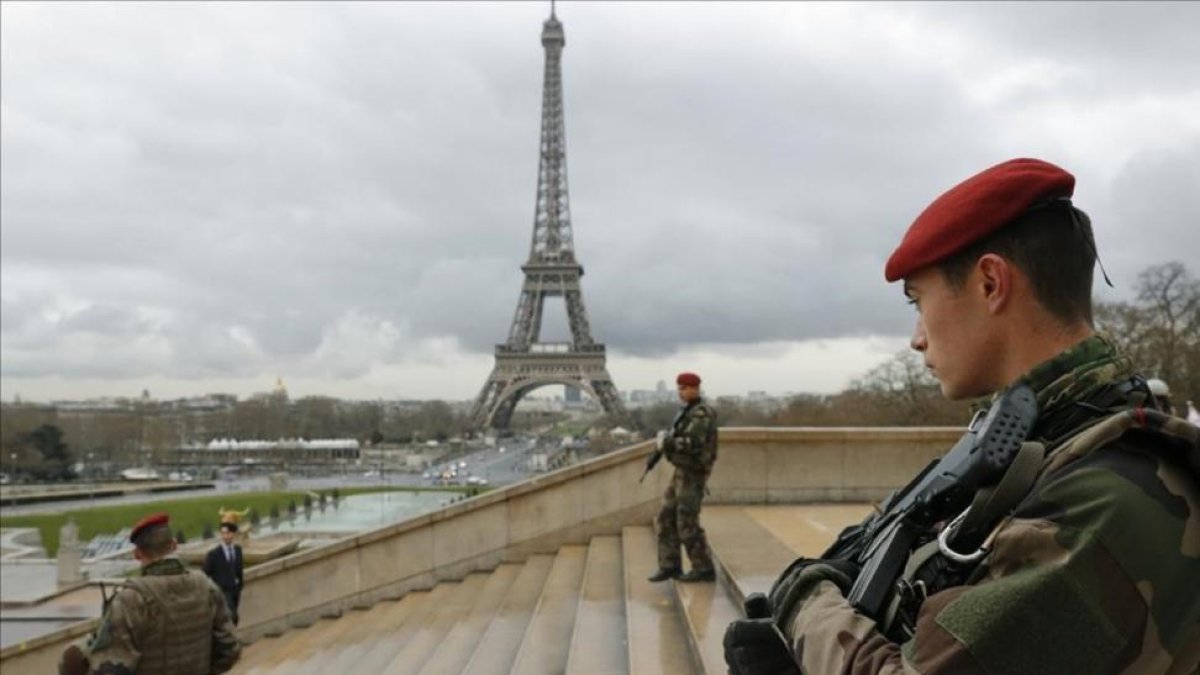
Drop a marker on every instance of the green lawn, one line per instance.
(188, 515)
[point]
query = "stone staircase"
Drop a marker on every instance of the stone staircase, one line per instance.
(584, 609)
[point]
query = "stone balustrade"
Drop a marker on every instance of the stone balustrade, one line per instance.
(600, 496)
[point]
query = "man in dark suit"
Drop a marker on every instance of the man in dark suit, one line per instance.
(223, 565)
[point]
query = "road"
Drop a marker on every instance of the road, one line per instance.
(498, 467)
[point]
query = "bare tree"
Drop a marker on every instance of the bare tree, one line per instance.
(902, 391)
(1161, 331)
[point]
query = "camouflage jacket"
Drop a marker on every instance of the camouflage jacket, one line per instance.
(169, 620)
(692, 444)
(1096, 572)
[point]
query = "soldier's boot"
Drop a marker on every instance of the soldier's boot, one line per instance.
(698, 575)
(664, 573)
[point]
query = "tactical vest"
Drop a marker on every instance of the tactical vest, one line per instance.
(180, 609)
(708, 452)
(695, 458)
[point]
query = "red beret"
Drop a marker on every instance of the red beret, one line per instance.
(688, 379)
(145, 523)
(975, 208)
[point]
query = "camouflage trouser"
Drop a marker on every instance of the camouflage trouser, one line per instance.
(678, 521)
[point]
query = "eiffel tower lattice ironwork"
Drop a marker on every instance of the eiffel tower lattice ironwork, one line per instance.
(523, 363)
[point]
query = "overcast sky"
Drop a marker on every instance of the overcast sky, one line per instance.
(203, 197)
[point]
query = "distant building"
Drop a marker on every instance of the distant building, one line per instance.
(646, 397)
(286, 452)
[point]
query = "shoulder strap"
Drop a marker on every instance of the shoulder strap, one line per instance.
(991, 504)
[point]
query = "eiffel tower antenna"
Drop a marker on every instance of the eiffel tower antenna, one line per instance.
(523, 362)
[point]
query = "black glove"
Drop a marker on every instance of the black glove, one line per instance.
(757, 647)
(757, 606)
(803, 574)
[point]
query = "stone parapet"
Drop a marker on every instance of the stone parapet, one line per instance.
(764, 465)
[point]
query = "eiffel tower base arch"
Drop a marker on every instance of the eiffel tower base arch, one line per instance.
(517, 374)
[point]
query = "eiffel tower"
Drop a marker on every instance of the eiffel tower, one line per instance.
(523, 363)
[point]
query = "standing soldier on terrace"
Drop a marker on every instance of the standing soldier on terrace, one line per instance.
(691, 446)
(1092, 565)
(169, 621)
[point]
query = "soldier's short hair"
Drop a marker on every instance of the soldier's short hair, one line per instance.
(1053, 246)
(155, 541)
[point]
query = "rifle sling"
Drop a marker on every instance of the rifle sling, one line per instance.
(988, 508)
(991, 504)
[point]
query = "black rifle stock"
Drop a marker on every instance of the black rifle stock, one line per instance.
(651, 462)
(943, 490)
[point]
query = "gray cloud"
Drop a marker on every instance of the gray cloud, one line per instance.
(210, 190)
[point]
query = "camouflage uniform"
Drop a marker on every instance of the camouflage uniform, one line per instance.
(1097, 572)
(171, 620)
(692, 449)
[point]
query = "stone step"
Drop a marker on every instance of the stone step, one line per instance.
(258, 653)
(390, 643)
(455, 650)
(751, 546)
(809, 529)
(544, 647)
(658, 643)
(706, 609)
(598, 643)
(497, 649)
(260, 650)
(430, 632)
(328, 652)
(297, 650)
(359, 643)
(748, 554)
(754, 544)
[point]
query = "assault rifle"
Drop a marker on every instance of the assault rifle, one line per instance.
(74, 661)
(664, 437)
(882, 543)
(651, 462)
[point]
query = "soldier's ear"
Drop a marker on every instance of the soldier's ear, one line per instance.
(995, 281)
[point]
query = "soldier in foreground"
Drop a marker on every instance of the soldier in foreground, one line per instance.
(169, 621)
(691, 446)
(1093, 568)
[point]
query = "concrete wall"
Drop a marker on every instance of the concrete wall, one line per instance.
(541, 514)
